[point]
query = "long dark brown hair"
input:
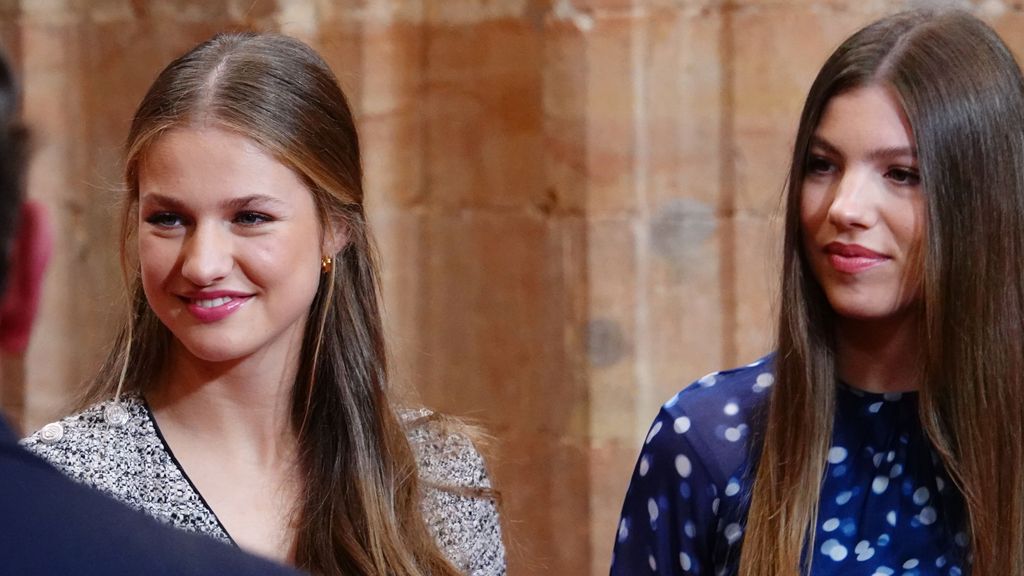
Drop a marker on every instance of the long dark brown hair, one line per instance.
(360, 510)
(963, 95)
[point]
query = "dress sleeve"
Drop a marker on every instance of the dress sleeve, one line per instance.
(460, 513)
(671, 507)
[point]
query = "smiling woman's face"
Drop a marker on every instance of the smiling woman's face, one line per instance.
(862, 207)
(229, 245)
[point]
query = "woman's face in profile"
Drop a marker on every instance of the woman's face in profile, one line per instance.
(862, 208)
(229, 245)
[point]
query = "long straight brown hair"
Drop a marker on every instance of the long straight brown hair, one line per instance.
(360, 510)
(963, 96)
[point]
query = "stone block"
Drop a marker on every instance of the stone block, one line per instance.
(484, 140)
(599, 8)
(614, 292)
(380, 68)
(564, 119)
(52, 11)
(545, 480)
(869, 8)
(685, 299)
(611, 466)
(52, 366)
(398, 234)
(681, 128)
(368, 11)
(342, 44)
(463, 12)
(494, 317)
(758, 266)
(185, 11)
(1008, 25)
(611, 110)
(653, 113)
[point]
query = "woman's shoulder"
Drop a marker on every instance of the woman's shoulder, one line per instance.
(691, 473)
(712, 420)
(459, 504)
(725, 396)
(445, 449)
(732, 391)
(91, 443)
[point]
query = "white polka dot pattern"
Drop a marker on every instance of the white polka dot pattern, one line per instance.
(887, 506)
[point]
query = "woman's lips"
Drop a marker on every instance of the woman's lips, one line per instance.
(214, 306)
(852, 258)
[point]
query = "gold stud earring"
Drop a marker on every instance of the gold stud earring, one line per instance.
(325, 264)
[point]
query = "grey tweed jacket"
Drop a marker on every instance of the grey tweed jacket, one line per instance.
(133, 463)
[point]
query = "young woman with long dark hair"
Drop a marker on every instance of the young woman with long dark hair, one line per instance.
(884, 435)
(246, 396)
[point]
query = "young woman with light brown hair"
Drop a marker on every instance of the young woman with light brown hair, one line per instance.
(884, 435)
(246, 396)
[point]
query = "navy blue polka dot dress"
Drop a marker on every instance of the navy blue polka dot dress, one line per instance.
(887, 505)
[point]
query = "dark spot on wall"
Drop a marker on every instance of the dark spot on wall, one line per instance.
(606, 344)
(548, 203)
(679, 229)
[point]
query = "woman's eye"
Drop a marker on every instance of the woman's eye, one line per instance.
(904, 176)
(820, 165)
(251, 218)
(165, 220)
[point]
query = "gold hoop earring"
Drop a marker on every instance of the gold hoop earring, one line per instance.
(325, 264)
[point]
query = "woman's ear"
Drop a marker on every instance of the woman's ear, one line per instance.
(335, 238)
(33, 244)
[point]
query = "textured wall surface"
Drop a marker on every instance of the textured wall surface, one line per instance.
(576, 202)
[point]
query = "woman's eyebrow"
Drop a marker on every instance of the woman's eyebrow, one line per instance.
(884, 153)
(247, 201)
(819, 142)
(238, 203)
(893, 152)
(162, 201)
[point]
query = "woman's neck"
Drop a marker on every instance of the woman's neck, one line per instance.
(880, 356)
(245, 405)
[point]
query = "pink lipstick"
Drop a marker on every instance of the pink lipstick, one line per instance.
(214, 305)
(852, 258)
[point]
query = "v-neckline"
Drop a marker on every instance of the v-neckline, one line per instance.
(184, 474)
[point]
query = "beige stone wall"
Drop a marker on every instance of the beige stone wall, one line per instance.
(575, 202)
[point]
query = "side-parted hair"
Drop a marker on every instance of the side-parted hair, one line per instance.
(360, 509)
(963, 95)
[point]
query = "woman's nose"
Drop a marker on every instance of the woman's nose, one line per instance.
(206, 255)
(853, 200)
